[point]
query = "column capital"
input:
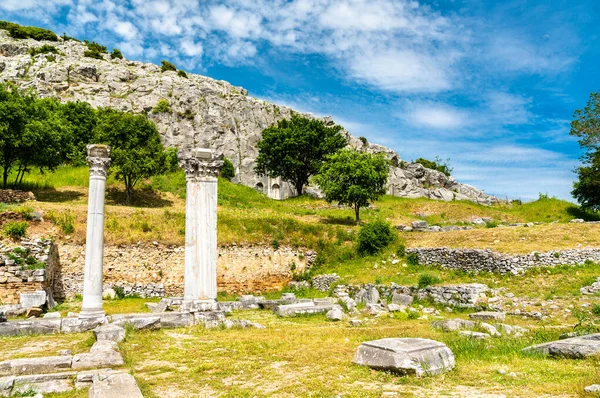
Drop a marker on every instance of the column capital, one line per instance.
(201, 162)
(98, 158)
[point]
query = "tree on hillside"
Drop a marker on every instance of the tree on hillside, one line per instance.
(136, 150)
(82, 119)
(443, 166)
(586, 126)
(32, 133)
(295, 149)
(353, 178)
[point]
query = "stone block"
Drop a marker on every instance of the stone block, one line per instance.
(474, 335)
(28, 366)
(149, 322)
(79, 325)
(210, 319)
(176, 319)
(594, 388)
(114, 385)
(33, 299)
(402, 299)
(110, 332)
(6, 385)
(406, 356)
(44, 383)
(574, 347)
(303, 308)
(290, 297)
(335, 314)
(97, 359)
(488, 316)
(38, 326)
(104, 345)
(419, 225)
(34, 311)
(52, 315)
(451, 325)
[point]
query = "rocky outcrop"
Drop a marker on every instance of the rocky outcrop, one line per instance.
(202, 112)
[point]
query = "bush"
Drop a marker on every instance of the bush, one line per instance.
(442, 166)
(227, 171)
(17, 31)
(167, 66)
(374, 236)
(162, 106)
(16, 229)
(427, 280)
(364, 140)
(171, 160)
(181, 73)
(401, 250)
(412, 259)
(596, 309)
(119, 292)
(491, 224)
(94, 50)
(116, 54)
(64, 220)
(45, 49)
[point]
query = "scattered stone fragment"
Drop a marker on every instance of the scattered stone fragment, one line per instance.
(52, 315)
(355, 322)
(110, 332)
(419, 225)
(594, 388)
(488, 316)
(474, 335)
(406, 356)
(34, 312)
(288, 297)
(335, 314)
(574, 347)
(249, 324)
(73, 324)
(44, 383)
(396, 307)
(64, 352)
(370, 295)
(303, 308)
(489, 329)
(138, 322)
(451, 325)
(109, 294)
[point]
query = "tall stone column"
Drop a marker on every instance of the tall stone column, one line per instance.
(99, 160)
(200, 275)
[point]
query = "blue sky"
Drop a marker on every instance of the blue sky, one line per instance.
(492, 85)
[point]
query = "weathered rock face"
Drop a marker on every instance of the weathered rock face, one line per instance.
(203, 112)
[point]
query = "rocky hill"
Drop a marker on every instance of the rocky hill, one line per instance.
(201, 111)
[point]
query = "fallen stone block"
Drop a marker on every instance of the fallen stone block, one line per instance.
(80, 325)
(52, 315)
(303, 308)
(396, 307)
(114, 385)
(33, 326)
(6, 385)
(139, 322)
(474, 335)
(97, 359)
(488, 316)
(33, 299)
(210, 319)
(406, 356)
(335, 314)
(489, 329)
(104, 345)
(452, 325)
(34, 312)
(574, 347)
(29, 366)
(402, 299)
(110, 332)
(44, 383)
(176, 319)
(8, 329)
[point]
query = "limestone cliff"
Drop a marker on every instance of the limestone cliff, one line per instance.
(202, 111)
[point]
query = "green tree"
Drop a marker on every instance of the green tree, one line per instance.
(295, 149)
(136, 150)
(227, 171)
(586, 127)
(443, 166)
(353, 178)
(82, 119)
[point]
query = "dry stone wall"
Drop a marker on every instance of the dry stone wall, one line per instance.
(26, 266)
(479, 260)
(154, 271)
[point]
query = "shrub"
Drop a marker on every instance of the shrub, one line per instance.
(172, 160)
(491, 224)
(412, 259)
(167, 66)
(438, 164)
(50, 58)
(17, 31)
(182, 73)
(227, 171)
(45, 49)
(413, 315)
(364, 140)
(427, 280)
(15, 229)
(596, 309)
(94, 50)
(374, 236)
(116, 54)
(401, 250)
(162, 106)
(64, 220)
(119, 292)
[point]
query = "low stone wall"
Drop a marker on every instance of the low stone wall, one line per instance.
(153, 270)
(478, 260)
(26, 266)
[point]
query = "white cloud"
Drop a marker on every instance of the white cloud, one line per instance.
(190, 48)
(126, 30)
(435, 116)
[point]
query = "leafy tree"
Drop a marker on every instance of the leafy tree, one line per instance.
(374, 237)
(353, 178)
(586, 127)
(136, 150)
(116, 54)
(295, 149)
(82, 119)
(227, 171)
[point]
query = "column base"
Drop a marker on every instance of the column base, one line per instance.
(198, 305)
(91, 313)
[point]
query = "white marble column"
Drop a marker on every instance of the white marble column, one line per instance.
(99, 160)
(200, 275)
